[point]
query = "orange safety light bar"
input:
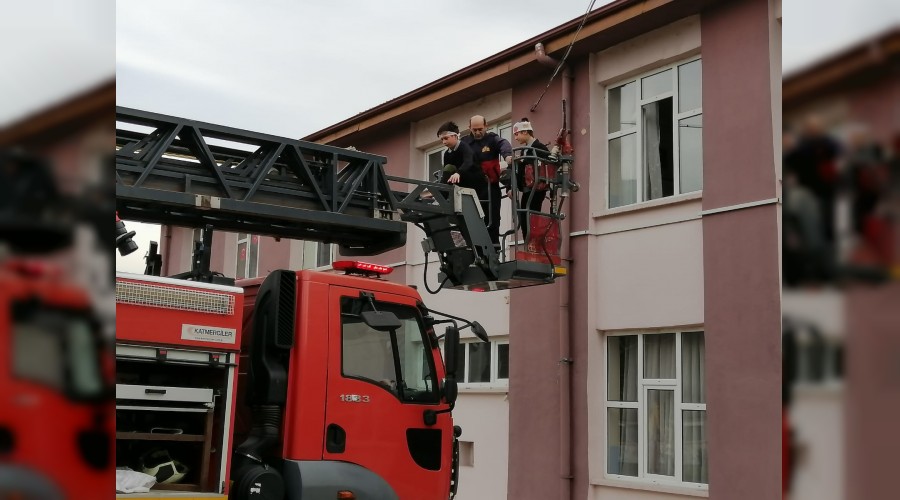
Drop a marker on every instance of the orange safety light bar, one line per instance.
(354, 266)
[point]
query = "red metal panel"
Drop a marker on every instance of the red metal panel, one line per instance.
(44, 424)
(376, 430)
(304, 426)
(173, 327)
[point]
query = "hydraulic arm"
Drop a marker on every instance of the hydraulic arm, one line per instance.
(182, 172)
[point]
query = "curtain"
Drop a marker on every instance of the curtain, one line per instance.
(622, 375)
(622, 423)
(659, 356)
(694, 459)
(693, 370)
(661, 432)
(653, 177)
(622, 437)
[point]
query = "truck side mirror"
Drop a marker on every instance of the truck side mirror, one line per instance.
(451, 350)
(382, 321)
(479, 332)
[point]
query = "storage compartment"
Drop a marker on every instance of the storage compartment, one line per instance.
(164, 393)
(173, 415)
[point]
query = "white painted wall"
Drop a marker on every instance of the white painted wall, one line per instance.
(625, 493)
(484, 418)
(818, 418)
(651, 277)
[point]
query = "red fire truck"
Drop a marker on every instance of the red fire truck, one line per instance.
(55, 425)
(56, 409)
(302, 384)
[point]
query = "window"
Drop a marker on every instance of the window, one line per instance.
(56, 348)
(654, 135)
(483, 364)
(396, 361)
(435, 156)
(324, 254)
(247, 256)
(656, 408)
(433, 163)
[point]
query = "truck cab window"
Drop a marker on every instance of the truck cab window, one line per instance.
(57, 349)
(395, 361)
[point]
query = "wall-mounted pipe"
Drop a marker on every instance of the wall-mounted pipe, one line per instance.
(565, 358)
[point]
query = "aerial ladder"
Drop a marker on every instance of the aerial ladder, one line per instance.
(172, 170)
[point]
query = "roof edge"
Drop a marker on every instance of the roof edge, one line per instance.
(551, 39)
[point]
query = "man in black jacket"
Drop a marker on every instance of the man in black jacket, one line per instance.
(459, 162)
(488, 148)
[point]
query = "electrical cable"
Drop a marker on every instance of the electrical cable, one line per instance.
(425, 278)
(564, 57)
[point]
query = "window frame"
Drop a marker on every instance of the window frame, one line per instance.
(248, 239)
(323, 249)
(643, 386)
(677, 116)
(396, 358)
(495, 381)
(497, 128)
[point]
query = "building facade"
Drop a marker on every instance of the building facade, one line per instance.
(653, 370)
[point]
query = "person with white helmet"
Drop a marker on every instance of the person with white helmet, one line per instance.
(533, 190)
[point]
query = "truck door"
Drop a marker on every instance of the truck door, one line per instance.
(379, 386)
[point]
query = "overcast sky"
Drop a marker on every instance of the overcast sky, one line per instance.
(290, 67)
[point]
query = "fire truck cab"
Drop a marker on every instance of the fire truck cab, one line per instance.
(339, 385)
(55, 425)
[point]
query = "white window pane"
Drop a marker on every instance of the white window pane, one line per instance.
(659, 356)
(506, 133)
(254, 256)
(324, 253)
(690, 153)
(434, 164)
(479, 362)
(621, 368)
(693, 368)
(657, 84)
(659, 165)
(694, 459)
(503, 361)
(622, 107)
(689, 86)
(622, 441)
(241, 261)
(623, 171)
(461, 362)
(661, 432)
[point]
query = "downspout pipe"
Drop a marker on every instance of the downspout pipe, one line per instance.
(565, 358)
(546, 60)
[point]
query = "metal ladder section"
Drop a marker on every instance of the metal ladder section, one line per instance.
(175, 171)
(183, 172)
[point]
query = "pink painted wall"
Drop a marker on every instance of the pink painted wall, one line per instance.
(534, 417)
(394, 145)
(741, 257)
(870, 105)
(872, 405)
(273, 255)
(737, 120)
(579, 219)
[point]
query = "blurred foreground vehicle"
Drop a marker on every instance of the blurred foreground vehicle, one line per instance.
(55, 378)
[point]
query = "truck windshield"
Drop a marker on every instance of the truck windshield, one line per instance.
(57, 348)
(399, 361)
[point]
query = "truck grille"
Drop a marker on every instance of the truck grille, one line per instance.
(167, 297)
